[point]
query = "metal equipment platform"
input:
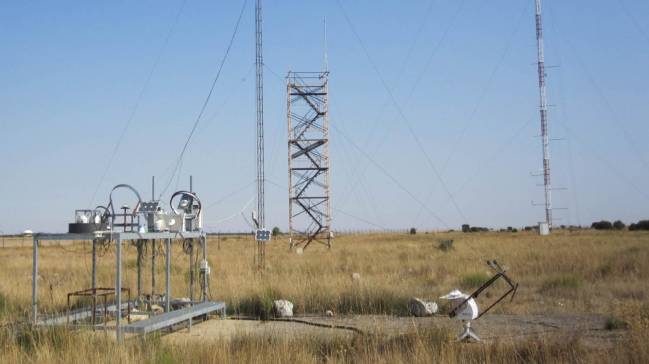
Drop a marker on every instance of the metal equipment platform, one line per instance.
(168, 319)
(79, 314)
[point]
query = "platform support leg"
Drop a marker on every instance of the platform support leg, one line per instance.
(167, 276)
(35, 281)
(140, 247)
(94, 264)
(203, 241)
(153, 255)
(118, 288)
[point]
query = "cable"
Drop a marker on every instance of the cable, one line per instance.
(604, 100)
(138, 101)
(633, 20)
(481, 166)
(418, 79)
(564, 120)
(230, 195)
(400, 111)
(387, 174)
(382, 228)
(207, 99)
(485, 90)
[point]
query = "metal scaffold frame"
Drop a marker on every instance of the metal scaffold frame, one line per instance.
(309, 204)
(120, 238)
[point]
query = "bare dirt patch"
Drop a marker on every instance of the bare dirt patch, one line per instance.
(590, 329)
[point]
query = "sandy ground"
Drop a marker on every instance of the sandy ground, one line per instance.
(590, 328)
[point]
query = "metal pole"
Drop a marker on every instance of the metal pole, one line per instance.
(153, 255)
(544, 116)
(118, 287)
(94, 263)
(167, 276)
(205, 277)
(35, 281)
(290, 162)
(191, 270)
(139, 268)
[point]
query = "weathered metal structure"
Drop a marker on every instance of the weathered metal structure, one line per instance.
(309, 202)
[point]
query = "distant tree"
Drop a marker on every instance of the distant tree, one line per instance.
(618, 225)
(509, 228)
(413, 231)
(602, 225)
(466, 228)
(276, 231)
(640, 225)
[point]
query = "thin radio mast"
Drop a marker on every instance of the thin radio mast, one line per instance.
(326, 56)
(544, 116)
(259, 63)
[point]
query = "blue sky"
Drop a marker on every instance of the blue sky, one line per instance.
(463, 72)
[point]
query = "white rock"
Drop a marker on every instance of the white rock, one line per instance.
(356, 277)
(329, 313)
(283, 308)
(421, 308)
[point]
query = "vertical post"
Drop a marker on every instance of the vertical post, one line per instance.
(152, 188)
(118, 287)
(544, 116)
(35, 280)
(290, 161)
(140, 242)
(153, 255)
(205, 277)
(167, 275)
(191, 270)
(94, 264)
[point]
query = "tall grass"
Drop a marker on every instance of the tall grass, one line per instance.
(579, 272)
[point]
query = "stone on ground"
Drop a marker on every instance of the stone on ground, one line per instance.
(283, 308)
(421, 308)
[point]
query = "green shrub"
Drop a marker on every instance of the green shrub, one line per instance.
(602, 225)
(445, 245)
(614, 323)
(474, 280)
(561, 282)
(259, 305)
(4, 307)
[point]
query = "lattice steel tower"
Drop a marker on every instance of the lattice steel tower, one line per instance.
(259, 64)
(309, 203)
(544, 116)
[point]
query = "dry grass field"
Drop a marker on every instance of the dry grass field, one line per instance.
(578, 272)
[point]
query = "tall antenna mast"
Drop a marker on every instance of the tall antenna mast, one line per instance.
(326, 56)
(544, 116)
(259, 63)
